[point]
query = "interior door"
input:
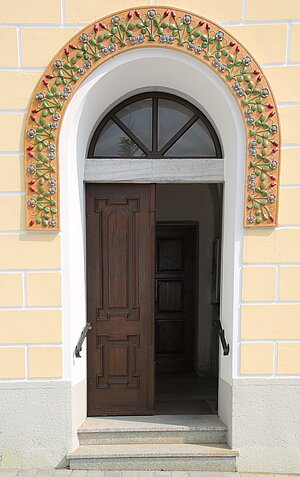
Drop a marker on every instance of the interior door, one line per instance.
(120, 289)
(176, 289)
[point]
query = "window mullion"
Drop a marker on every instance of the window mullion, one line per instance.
(131, 135)
(179, 133)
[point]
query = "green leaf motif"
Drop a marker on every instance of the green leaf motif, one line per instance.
(190, 36)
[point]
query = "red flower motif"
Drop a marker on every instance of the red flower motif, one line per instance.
(275, 149)
(273, 184)
(256, 72)
(273, 178)
(173, 14)
(31, 182)
(49, 76)
(272, 218)
(102, 25)
(32, 117)
(167, 12)
(32, 189)
(29, 148)
(260, 77)
(275, 143)
(129, 14)
(45, 82)
(30, 154)
(31, 223)
(232, 43)
(73, 47)
(67, 51)
(207, 26)
(96, 28)
(137, 13)
(238, 48)
(201, 23)
(272, 114)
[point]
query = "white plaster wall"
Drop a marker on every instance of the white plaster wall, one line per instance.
(35, 424)
(225, 407)
(266, 424)
(263, 423)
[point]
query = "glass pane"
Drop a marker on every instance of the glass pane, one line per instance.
(171, 117)
(112, 141)
(195, 142)
(138, 118)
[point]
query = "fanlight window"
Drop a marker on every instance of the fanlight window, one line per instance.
(155, 126)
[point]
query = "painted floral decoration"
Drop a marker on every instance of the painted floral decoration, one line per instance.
(148, 27)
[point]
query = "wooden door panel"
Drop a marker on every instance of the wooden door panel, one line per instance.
(120, 272)
(170, 255)
(169, 295)
(176, 288)
(119, 235)
(169, 336)
(118, 361)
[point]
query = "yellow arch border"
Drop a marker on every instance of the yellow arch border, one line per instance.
(162, 27)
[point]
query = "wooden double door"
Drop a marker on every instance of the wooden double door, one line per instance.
(141, 308)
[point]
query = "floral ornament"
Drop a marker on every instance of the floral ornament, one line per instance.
(32, 202)
(84, 37)
(220, 35)
(40, 97)
(31, 132)
(151, 14)
(58, 64)
(116, 20)
(164, 28)
(187, 19)
(31, 169)
(247, 60)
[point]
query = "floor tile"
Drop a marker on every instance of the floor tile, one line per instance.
(27, 472)
(95, 473)
(8, 472)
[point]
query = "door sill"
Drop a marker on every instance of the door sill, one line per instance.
(120, 413)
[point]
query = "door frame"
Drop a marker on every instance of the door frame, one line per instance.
(138, 71)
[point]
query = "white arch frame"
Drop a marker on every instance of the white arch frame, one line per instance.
(129, 73)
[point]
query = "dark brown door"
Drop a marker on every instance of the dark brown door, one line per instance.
(176, 259)
(120, 284)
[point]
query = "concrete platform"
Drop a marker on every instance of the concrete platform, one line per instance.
(152, 429)
(170, 457)
(127, 473)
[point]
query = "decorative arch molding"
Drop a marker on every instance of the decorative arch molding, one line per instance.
(167, 28)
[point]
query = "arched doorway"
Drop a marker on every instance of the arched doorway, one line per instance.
(102, 91)
(151, 298)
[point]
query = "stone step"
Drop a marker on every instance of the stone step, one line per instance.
(217, 457)
(152, 429)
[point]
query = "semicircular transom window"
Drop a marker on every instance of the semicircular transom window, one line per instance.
(155, 126)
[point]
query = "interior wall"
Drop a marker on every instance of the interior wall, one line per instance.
(197, 202)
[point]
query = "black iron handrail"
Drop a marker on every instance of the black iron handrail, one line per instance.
(221, 334)
(84, 332)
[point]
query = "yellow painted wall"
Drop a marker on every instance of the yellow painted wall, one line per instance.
(30, 301)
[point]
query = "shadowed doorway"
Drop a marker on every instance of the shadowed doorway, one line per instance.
(187, 303)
